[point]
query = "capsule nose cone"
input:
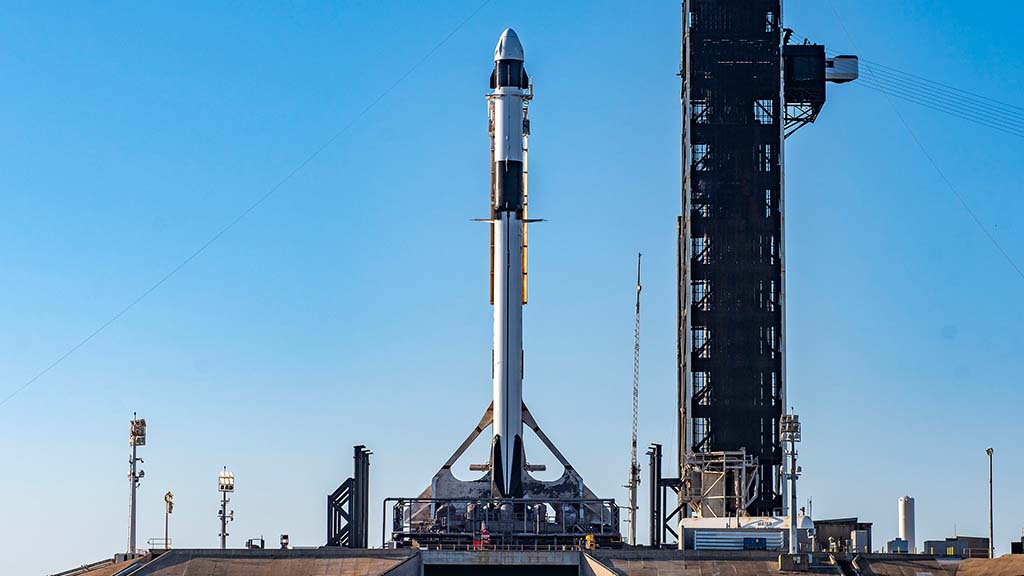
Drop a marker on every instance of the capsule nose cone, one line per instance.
(509, 47)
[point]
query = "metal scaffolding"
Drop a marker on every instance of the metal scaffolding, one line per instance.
(731, 245)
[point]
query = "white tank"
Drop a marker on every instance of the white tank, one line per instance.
(907, 523)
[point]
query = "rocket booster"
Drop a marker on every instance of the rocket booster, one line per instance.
(509, 85)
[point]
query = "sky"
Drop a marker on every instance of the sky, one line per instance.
(351, 306)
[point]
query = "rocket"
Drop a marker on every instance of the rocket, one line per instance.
(509, 128)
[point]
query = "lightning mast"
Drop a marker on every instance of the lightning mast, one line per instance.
(634, 469)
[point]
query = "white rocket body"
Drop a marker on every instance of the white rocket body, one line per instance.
(509, 84)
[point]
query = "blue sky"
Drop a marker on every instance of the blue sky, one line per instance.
(351, 307)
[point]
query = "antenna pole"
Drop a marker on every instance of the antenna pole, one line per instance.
(136, 437)
(634, 469)
(226, 485)
(168, 508)
(991, 529)
(789, 433)
(133, 481)
(223, 520)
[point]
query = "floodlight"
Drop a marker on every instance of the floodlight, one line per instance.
(226, 481)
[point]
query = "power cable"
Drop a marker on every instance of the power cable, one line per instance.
(975, 106)
(963, 202)
(972, 109)
(1011, 129)
(950, 99)
(878, 68)
(248, 210)
(963, 104)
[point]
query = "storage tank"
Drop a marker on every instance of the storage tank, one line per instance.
(907, 522)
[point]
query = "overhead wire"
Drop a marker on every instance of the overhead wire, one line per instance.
(938, 169)
(903, 94)
(244, 213)
(1005, 117)
(879, 68)
(966, 105)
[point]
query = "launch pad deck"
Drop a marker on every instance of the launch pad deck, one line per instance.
(438, 523)
(625, 562)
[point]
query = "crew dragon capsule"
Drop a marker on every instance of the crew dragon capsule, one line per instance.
(509, 126)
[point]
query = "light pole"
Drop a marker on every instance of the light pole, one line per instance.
(168, 508)
(136, 438)
(790, 432)
(991, 541)
(225, 484)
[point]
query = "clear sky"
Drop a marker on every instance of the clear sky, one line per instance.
(351, 307)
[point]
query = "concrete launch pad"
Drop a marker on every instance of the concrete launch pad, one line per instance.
(311, 562)
(627, 562)
(691, 563)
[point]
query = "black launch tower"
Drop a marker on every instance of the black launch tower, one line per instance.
(743, 92)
